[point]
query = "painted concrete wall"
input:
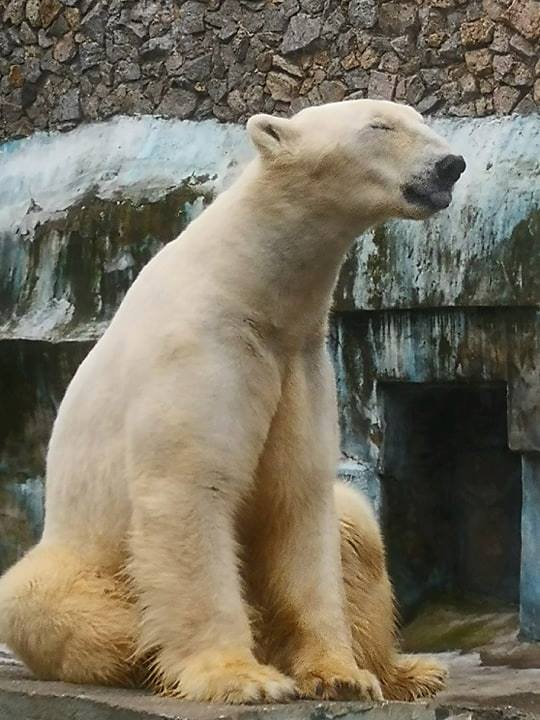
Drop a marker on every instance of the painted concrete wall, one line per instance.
(484, 250)
(106, 191)
(530, 557)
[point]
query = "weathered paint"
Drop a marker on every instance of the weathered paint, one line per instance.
(33, 378)
(21, 517)
(444, 345)
(361, 475)
(473, 346)
(136, 158)
(71, 272)
(484, 250)
(530, 549)
(524, 398)
(82, 212)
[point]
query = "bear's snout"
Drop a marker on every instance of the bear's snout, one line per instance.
(450, 169)
(433, 190)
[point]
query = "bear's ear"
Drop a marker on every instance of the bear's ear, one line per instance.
(271, 135)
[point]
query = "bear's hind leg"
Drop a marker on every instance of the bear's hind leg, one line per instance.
(370, 605)
(68, 619)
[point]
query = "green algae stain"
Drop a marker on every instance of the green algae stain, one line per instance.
(376, 273)
(521, 260)
(378, 267)
(513, 268)
(344, 292)
(92, 253)
(450, 625)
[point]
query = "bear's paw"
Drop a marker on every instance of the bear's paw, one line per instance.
(335, 684)
(414, 677)
(227, 677)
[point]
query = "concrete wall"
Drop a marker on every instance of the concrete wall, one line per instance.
(530, 558)
(483, 251)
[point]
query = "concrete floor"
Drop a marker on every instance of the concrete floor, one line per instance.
(473, 684)
(476, 691)
(489, 666)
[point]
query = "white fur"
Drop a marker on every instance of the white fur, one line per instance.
(196, 446)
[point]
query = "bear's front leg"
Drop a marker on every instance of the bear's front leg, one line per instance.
(292, 543)
(192, 454)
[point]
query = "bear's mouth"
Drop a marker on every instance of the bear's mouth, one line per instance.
(432, 199)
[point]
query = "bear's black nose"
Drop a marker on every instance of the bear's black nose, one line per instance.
(450, 168)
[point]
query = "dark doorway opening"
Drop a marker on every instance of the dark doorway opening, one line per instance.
(451, 494)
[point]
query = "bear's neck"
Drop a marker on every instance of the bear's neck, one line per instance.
(276, 251)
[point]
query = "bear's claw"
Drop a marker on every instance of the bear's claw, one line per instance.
(362, 685)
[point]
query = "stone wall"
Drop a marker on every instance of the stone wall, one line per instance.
(67, 61)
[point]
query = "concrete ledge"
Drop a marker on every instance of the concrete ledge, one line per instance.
(23, 698)
(477, 691)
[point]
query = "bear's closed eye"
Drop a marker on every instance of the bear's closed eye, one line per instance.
(381, 126)
(271, 131)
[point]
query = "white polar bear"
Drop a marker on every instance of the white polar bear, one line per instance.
(191, 535)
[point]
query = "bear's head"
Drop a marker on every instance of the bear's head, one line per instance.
(368, 160)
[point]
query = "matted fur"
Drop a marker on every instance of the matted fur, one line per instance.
(195, 449)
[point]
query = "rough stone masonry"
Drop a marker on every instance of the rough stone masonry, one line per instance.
(63, 62)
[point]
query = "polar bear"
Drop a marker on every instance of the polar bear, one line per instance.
(194, 537)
